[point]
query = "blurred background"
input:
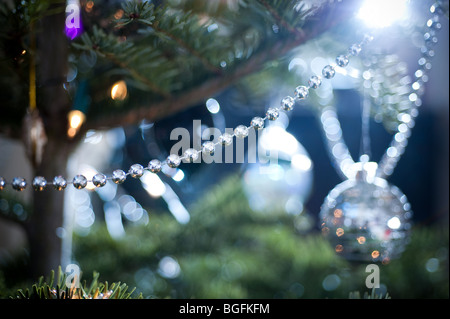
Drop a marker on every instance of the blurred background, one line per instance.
(224, 230)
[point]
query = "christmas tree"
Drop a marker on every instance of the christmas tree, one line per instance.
(96, 86)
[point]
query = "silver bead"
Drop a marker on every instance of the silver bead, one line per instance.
(287, 103)
(355, 49)
(190, 155)
(241, 131)
(328, 72)
(39, 183)
(301, 92)
(154, 166)
(257, 123)
(2, 183)
(19, 183)
(79, 182)
(367, 38)
(225, 139)
(99, 180)
(314, 81)
(342, 60)
(272, 114)
(430, 39)
(136, 170)
(119, 176)
(434, 23)
(59, 183)
(208, 148)
(173, 160)
(437, 8)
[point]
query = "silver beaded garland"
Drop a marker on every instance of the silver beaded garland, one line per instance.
(208, 148)
(136, 170)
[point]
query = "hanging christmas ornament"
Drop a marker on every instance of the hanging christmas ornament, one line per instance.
(281, 179)
(35, 137)
(365, 218)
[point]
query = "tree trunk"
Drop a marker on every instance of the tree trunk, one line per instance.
(53, 105)
(47, 216)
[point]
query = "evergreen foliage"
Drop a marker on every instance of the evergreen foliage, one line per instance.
(57, 288)
(229, 251)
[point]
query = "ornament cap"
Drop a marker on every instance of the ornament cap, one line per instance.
(363, 171)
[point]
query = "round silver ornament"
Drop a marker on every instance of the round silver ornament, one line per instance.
(365, 220)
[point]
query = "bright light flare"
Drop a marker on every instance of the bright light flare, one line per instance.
(119, 91)
(382, 13)
(76, 118)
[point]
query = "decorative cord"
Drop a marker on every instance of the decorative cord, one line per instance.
(338, 150)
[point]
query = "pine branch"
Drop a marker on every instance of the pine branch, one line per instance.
(135, 74)
(162, 24)
(279, 19)
(330, 17)
(121, 54)
(188, 48)
(56, 288)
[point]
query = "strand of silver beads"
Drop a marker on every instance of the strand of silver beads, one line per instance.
(415, 89)
(119, 176)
